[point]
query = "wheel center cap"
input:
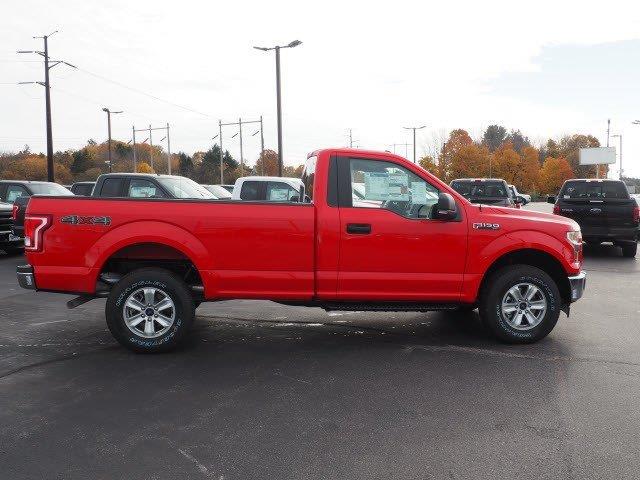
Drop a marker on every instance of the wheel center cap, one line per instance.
(523, 306)
(148, 312)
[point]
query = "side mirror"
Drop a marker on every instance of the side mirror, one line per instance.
(295, 198)
(551, 199)
(520, 200)
(446, 208)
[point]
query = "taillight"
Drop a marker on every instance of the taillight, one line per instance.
(14, 213)
(636, 214)
(34, 227)
(556, 209)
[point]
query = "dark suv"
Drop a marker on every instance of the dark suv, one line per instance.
(603, 209)
(488, 191)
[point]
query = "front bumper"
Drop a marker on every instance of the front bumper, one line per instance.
(26, 278)
(577, 285)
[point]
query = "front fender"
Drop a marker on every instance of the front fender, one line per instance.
(519, 240)
(480, 260)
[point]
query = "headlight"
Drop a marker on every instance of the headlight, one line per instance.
(575, 238)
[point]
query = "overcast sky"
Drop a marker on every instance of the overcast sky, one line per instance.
(544, 67)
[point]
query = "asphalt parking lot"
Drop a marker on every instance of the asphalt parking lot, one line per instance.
(266, 391)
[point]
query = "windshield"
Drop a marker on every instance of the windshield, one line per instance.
(594, 190)
(218, 191)
(48, 189)
(481, 189)
(180, 187)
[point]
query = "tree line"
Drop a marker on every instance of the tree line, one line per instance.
(512, 156)
(88, 162)
(498, 153)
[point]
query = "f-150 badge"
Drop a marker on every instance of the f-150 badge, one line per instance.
(78, 220)
(486, 226)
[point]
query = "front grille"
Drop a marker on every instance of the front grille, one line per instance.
(6, 221)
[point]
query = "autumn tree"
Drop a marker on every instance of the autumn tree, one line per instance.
(553, 174)
(457, 139)
(427, 162)
(267, 163)
(470, 160)
(530, 176)
(291, 171)
(144, 167)
(507, 164)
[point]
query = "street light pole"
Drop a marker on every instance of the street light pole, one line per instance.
(109, 112)
(277, 48)
(414, 139)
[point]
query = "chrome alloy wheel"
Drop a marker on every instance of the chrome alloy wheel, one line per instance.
(149, 312)
(524, 306)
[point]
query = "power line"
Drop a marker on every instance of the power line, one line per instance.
(136, 90)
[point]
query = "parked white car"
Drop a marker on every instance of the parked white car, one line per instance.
(516, 194)
(270, 189)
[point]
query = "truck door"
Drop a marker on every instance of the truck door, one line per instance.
(390, 248)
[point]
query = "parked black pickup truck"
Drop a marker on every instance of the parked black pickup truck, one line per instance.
(488, 191)
(603, 209)
(8, 242)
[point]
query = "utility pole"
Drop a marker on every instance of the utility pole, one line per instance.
(109, 112)
(414, 139)
(47, 97)
(350, 138)
(239, 123)
(151, 149)
(221, 154)
(293, 44)
(135, 160)
(241, 157)
(261, 145)
(150, 138)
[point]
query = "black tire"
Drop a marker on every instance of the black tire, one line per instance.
(168, 284)
(629, 250)
(497, 286)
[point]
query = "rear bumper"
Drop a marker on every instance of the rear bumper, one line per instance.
(577, 284)
(609, 233)
(26, 278)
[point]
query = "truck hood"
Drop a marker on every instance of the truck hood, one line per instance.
(535, 219)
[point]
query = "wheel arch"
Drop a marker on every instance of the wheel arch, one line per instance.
(535, 258)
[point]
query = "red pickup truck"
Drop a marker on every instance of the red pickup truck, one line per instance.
(369, 231)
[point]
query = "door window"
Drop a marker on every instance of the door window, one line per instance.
(280, 192)
(385, 185)
(111, 187)
(144, 189)
(250, 191)
(15, 191)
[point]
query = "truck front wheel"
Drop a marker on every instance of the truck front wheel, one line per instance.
(149, 310)
(521, 304)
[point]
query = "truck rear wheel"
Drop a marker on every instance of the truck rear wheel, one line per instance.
(149, 310)
(521, 304)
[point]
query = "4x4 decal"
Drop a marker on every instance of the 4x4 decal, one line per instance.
(78, 220)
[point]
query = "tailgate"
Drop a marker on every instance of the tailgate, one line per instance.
(598, 215)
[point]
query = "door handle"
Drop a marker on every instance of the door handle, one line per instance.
(359, 228)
